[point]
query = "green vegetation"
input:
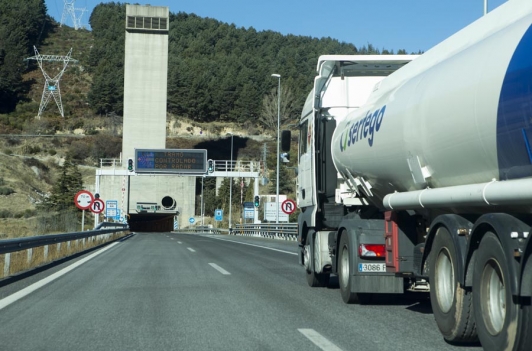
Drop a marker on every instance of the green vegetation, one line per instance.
(22, 26)
(217, 71)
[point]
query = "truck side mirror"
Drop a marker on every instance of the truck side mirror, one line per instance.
(285, 140)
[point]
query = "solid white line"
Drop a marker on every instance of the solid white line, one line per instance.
(219, 269)
(319, 340)
(263, 247)
(191, 249)
(28, 290)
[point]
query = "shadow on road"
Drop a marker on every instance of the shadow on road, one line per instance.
(414, 301)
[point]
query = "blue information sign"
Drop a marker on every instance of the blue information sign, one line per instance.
(218, 215)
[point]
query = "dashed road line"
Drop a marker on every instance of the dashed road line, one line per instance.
(319, 340)
(219, 269)
(191, 249)
(179, 242)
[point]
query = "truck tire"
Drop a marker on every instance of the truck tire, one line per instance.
(345, 274)
(314, 280)
(452, 305)
(525, 317)
(525, 328)
(495, 313)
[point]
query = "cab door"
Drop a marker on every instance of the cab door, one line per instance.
(306, 163)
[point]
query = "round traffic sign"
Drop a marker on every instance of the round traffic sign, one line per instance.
(191, 220)
(288, 206)
(97, 206)
(83, 199)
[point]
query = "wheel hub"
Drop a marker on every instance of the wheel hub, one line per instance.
(306, 257)
(494, 300)
(444, 280)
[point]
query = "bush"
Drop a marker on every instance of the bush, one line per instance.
(11, 141)
(56, 142)
(29, 213)
(79, 150)
(4, 190)
(31, 149)
(32, 162)
(58, 222)
(5, 214)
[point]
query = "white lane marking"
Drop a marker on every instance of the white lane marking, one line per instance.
(263, 247)
(172, 239)
(191, 249)
(179, 242)
(219, 269)
(28, 290)
(319, 340)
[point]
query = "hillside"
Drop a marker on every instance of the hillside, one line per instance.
(219, 81)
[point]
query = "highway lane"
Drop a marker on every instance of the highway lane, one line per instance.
(165, 291)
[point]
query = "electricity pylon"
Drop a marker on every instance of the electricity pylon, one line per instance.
(69, 9)
(51, 86)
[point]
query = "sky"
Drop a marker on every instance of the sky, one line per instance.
(412, 25)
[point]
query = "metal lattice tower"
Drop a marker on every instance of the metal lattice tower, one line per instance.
(69, 9)
(51, 86)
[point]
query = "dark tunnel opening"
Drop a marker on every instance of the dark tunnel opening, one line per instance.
(151, 222)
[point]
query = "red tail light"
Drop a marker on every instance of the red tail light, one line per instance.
(371, 250)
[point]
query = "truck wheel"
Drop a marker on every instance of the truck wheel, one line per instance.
(525, 315)
(314, 280)
(452, 305)
(495, 312)
(525, 329)
(344, 270)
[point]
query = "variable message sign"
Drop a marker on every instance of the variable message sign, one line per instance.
(170, 161)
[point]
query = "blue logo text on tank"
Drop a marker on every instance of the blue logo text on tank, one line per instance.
(363, 129)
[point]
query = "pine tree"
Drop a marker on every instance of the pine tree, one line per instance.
(68, 184)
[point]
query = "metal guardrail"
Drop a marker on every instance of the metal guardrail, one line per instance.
(236, 166)
(202, 229)
(12, 245)
(283, 231)
(110, 162)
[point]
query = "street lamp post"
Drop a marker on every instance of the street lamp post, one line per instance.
(201, 210)
(278, 137)
(231, 185)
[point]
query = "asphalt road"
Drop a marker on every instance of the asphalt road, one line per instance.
(165, 291)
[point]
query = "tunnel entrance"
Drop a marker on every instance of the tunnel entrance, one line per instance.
(151, 222)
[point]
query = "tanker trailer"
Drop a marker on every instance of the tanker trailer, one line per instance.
(416, 174)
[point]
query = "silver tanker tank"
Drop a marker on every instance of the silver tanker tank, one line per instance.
(454, 126)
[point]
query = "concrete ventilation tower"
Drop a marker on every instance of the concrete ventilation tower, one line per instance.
(51, 86)
(70, 10)
(145, 78)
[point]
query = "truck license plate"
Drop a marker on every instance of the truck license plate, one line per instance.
(372, 267)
